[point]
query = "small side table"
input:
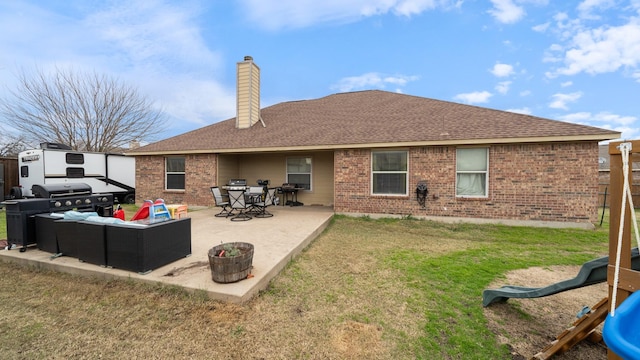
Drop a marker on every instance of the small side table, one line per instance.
(177, 211)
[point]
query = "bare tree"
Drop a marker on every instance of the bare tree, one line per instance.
(87, 111)
(11, 145)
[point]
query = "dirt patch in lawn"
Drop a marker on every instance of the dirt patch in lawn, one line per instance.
(529, 325)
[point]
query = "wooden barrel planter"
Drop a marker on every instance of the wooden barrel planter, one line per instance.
(228, 269)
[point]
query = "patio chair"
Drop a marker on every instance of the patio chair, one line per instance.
(238, 202)
(255, 192)
(252, 195)
(221, 201)
(261, 206)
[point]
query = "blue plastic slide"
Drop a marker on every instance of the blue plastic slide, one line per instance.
(622, 332)
(592, 272)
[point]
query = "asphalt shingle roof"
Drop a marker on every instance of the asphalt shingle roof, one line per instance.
(362, 118)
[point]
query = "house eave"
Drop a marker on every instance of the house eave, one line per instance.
(443, 142)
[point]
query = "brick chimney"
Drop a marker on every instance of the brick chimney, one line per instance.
(247, 93)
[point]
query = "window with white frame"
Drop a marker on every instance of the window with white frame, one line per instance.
(174, 173)
(472, 172)
(299, 172)
(389, 172)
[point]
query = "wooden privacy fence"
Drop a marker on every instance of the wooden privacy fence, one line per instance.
(9, 176)
(602, 187)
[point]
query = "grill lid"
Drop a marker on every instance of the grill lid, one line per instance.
(58, 190)
(238, 182)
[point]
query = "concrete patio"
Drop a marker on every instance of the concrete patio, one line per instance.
(277, 240)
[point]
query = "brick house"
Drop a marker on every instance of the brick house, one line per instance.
(365, 153)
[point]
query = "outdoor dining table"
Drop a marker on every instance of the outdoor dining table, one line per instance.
(252, 197)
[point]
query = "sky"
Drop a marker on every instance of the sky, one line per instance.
(574, 61)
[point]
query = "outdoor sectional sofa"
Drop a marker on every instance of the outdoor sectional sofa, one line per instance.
(147, 247)
(92, 244)
(134, 246)
(45, 233)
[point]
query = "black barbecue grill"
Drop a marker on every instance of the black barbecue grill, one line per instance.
(48, 199)
(236, 184)
(59, 190)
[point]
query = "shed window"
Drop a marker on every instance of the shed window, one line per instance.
(389, 171)
(472, 172)
(174, 173)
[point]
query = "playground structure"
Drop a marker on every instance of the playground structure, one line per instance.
(621, 332)
(591, 273)
(152, 210)
(622, 329)
(623, 280)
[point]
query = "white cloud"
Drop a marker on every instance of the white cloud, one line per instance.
(502, 70)
(541, 27)
(535, 2)
(371, 80)
(505, 11)
(627, 125)
(628, 133)
(560, 100)
(550, 55)
(609, 118)
(277, 14)
(525, 111)
(192, 100)
(503, 87)
(474, 97)
(153, 31)
(566, 84)
(555, 47)
(576, 118)
(587, 7)
(599, 50)
(32, 27)
(154, 45)
(603, 117)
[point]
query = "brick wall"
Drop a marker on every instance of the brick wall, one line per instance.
(200, 175)
(543, 182)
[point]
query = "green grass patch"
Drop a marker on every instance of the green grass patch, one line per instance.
(365, 288)
(448, 281)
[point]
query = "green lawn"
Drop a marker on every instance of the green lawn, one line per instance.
(447, 283)
(418, 284)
